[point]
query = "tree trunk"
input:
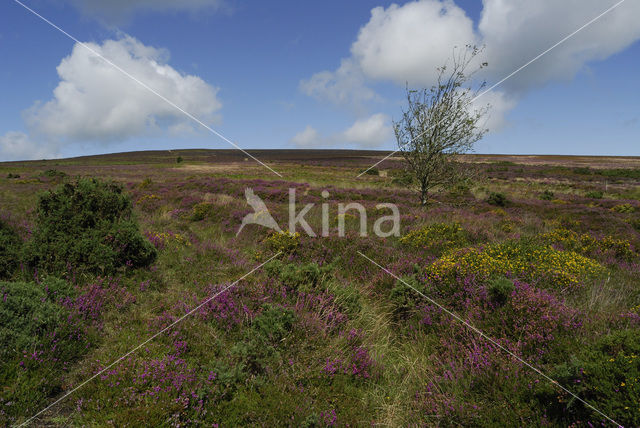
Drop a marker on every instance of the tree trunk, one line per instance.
(424, 194)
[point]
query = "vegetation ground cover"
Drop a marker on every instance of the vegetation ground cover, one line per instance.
(320, 336)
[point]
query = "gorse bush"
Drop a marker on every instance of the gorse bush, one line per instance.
(29, 314)
(89, 226)
(588, 245)
(284, 241)
(202, 210)
(436, 237)
(10, 247)
(606, 374)
(624, 209)
(524, 260)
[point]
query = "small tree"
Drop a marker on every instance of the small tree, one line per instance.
(441, 123)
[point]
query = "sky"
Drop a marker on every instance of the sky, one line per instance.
(301, 74)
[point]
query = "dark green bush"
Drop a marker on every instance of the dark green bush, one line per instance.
(10, 247)
(497, 199)
(10, 176)
(267, 331)
(547, 195)
(202, 211)
(605, 375)
(404, 297)
(88, 226)
(595, 194)
(29, 314)
(500, 289)
(582, 170)
(53, 173)
(301, 277)
(405, 178)
(179, 159)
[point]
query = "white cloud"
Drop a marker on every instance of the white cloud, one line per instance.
(17, 146)
(516, 31)
(95, 102)
(118, 11)
(370, 132)
(407, 43)
(309, 138)
(345, 86)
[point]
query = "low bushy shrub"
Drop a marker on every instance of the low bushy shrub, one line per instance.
(29, 314)
(522, 259)
(498, 199)
(88, 226)
(302, 277)
(594, 194)
(10, 247)
(202, 210)
(285, 241)
(437, 237)
(606, 375)
(500, 289)
(261, 341)
(547, 195)
(624, 209)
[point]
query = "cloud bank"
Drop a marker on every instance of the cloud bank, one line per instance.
(369, 132)
(407, 43)
(119, 11)
(96, 103)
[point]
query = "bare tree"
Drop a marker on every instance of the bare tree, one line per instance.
(440, 123)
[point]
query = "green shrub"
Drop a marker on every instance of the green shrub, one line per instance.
(179, 159)
(29, 313)
(547, 195)
(10, 176)
(202, 211)
(635, 223)
(260, 343)
(604, 375)
(403, 297)
(582, 170)
(405, 178)
(594, 194)
(497, 199)
(303, 277)
(89, 226)
(10, 247)
(53, 173)
(500, 289)
(370, 171)
(624, 209)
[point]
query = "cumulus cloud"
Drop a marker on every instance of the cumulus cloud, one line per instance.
(308, 138)
(345, 86)
(16, 145)
(514, 32)
(370, 132)
(96, 102)
(119, 11)
(407, 43)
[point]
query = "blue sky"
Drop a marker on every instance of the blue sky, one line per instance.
(289, 74)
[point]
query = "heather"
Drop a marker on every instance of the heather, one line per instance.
(94, 265)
